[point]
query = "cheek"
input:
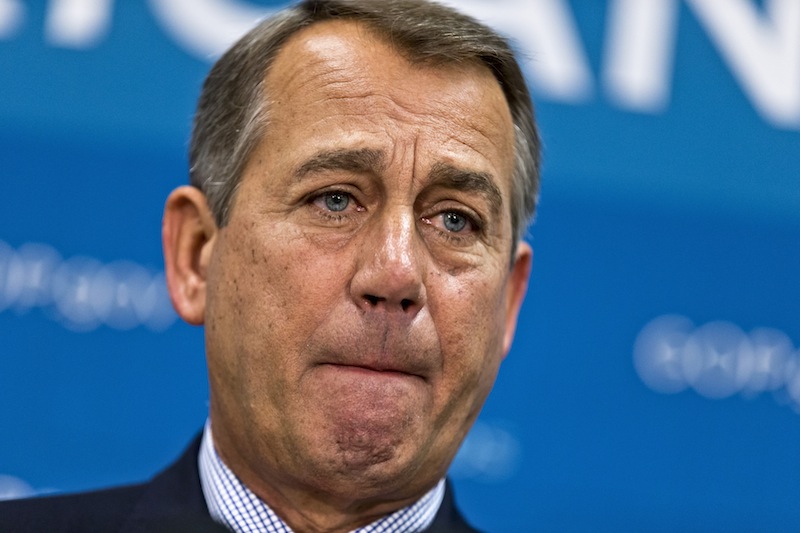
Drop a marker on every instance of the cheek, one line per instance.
(271, 292)
(286, 282)
(470, 324)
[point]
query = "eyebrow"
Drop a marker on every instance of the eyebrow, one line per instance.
(361, 161)
(371, 161)
(445, 175)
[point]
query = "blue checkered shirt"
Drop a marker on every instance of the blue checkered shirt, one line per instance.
(235, 506)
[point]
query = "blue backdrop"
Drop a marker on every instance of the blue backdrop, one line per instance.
(655, 381)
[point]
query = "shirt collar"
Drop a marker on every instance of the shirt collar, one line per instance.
(233, 505)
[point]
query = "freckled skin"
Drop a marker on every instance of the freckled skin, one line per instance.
(302, 304)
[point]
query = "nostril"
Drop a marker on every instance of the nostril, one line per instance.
(372, 299)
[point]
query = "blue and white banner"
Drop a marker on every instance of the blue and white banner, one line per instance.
(655, 381)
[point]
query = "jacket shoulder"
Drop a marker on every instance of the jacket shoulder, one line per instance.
(171, 501)
(102, 510)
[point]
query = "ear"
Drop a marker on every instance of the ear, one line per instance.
(188, 233)
(515, 290)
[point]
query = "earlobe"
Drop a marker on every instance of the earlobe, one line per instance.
(515, 290)
(188, 233)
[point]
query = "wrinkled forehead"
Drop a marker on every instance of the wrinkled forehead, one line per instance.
(340, 63)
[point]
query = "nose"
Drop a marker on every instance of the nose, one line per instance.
(390, 270)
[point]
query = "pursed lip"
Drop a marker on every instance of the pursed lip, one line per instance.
(386, 367)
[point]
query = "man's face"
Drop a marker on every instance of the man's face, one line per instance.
(362, 296)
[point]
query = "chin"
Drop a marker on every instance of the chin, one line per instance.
(374, 462)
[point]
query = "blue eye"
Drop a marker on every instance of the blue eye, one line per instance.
(454, 222)
(336, 201)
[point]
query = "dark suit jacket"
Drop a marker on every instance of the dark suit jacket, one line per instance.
(171, 501)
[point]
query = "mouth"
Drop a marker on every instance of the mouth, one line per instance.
(373, 371)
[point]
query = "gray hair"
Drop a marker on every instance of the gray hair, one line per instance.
(231, 112)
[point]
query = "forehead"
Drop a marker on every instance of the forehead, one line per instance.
(343, 69)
